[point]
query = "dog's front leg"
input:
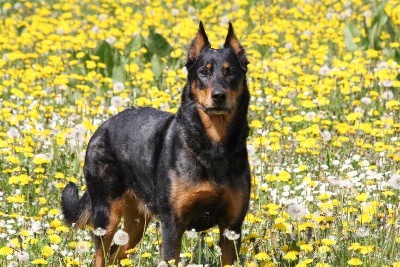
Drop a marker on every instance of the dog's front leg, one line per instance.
(172, 233)
(229, 242)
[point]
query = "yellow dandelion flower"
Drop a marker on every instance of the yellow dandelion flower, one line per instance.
(4, 251)
(47, 251)
(307, 248)
(362, 197)
(393, 104)
(304, 263)
(283, 176)
(256, 124)
(291, 255)
(55, 239)
(126, 262)
(146, 255)
(366, 249)
(364, 218)
(39, 262)
(262, 256)
(354, 261)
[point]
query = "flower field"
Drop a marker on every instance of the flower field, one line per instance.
(324, 116)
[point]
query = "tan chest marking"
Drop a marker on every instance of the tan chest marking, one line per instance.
(185, 195)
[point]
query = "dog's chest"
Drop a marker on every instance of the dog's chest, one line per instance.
(203, 204)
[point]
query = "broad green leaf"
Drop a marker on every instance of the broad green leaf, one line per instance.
(390, 29)
(134, 44)
(105, 53)
(118, 72)
(380, 16)
(350, 32)
(157, 65)
(157, 44)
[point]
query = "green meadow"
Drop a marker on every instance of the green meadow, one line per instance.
(324, 144)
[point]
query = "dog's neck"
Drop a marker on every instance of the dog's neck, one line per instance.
(215, 126)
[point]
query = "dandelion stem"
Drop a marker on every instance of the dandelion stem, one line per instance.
(236, 250)
(104, 251)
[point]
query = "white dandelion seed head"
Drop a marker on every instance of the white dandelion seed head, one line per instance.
(326, 136)
(95, 30)
(102, 16)
(289, 46)
(394, 181)
(13, 132)
(175, 12)
(111, 39)
(117, 101)
(310, 116)
(366, 100)
(218, 250)
(22, 256)
(324, 70)
(362, 232)
(99, 231)
(192, 234)
(297, 211)
(118, 87)
(367, 14)
(344, 183)
(184, 71)
(82, 247)
(387, 83)
(162, 264)
(224, 20)
(251, 150)
(60, 31)
(231, 235)
(121, 238)
(387, 95)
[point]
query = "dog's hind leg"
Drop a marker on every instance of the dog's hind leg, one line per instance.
(103, 243)
(136, 220)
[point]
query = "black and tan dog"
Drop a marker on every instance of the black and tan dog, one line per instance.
(190, 169)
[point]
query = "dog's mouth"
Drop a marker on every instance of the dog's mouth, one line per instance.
(217, 110)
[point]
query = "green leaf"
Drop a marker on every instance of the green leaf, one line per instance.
(391, 30)
(21, 29)
(157, 44)
(134, 44)
(380, 16)
(105, 53)
(374, 37)
(118, 71)
(351, 32)
(397, 58)
(157, 65)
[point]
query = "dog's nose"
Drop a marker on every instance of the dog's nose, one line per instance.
(218, 96)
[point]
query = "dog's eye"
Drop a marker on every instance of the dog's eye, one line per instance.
(231, 73)
(205, 72)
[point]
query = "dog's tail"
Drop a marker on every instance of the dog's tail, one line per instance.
(76, 211)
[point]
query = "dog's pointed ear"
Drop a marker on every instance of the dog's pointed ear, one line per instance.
(232, 42)
(198, 44)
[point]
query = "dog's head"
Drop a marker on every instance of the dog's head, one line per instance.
(217, 77)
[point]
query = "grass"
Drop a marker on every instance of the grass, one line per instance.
(324, 145)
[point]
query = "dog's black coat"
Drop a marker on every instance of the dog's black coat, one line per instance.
(151, 152)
